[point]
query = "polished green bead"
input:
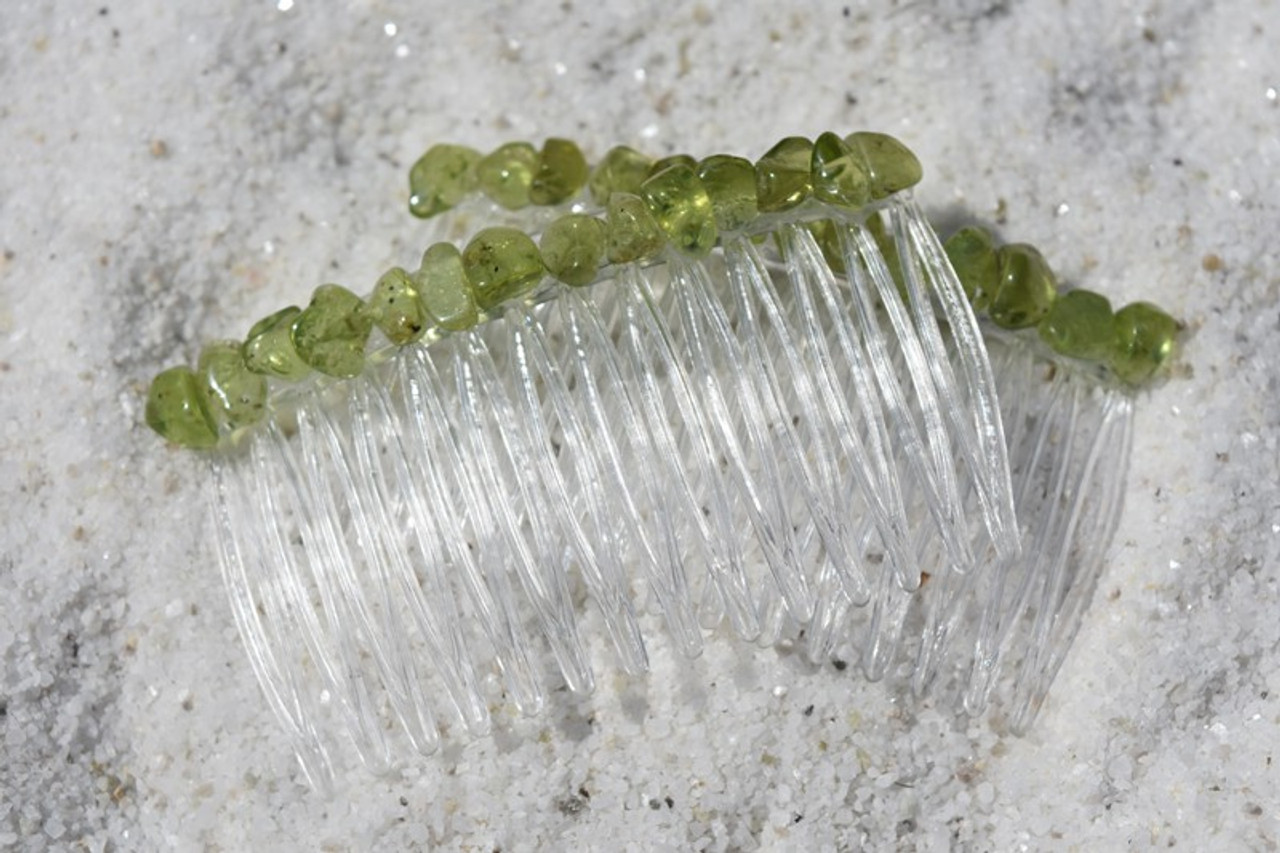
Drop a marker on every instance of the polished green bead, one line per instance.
(1080, 325)
(664, 163)
(176, 409)
(622, 170)
(973, 256)
(632, 232)
(573, 247)
(839, 173)
(269, 350)
(444, 289)
(680, 205)
(891, 166)
(501, 263)
(562, 172)
(1145, 339)
(330, 333)
(507, 174)
(731, 185)
(234, 396)
(396, 309)
(1026, 288)
(783, 175)
(441, 178)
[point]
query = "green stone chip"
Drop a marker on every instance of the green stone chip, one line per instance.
(632, 232)
(783, 175)
(731, 185)
(507, 174)
(444, 290)
(268, 349)
(680, 205)
(501, 264)
(573, 247)
(396, 309)
(972, 253)
(176, 409)
(561, 174)
(622, 170)
(441, 178)
(330, 334)
(1080, 325)
(839, 173)
(1145, 340)
(1026, 289)
(234, 395)
(891, 166)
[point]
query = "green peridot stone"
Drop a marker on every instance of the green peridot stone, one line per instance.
(731, 185)
(973, 256)
(561, 173)
(176, 409)
(234, 396)
(891, 166)
(331, 332)
(632, 232)
(444, 290)
(441, 178)
(783, 175)
(1145, 338)
(1080, 325)
(507, 174)
(622, 170)
(573, 247)
(680, 205)
(501, 263)
(269, 350)
(1026, 288)
(664, 163)
(395, 307)
(839, 173)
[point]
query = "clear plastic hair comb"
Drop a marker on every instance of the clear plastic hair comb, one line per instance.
(750, 395)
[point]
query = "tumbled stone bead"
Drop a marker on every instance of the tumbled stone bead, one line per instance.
(234, 396)
(1026, 288)
(176, 409)
(573, 247)
(561, 173)
(1145, 338)
(632, 232)
(973, 256)
(330, 333)
(268, 349)
(1080, 325)
(664, 163)
(680, 205)
(396, 309)
(783, 175)
(731, 185)
(441, 178)
(507, 174)
(444, 289)
(501, 263)
(891, 166)
(622, 170)
(839, 173)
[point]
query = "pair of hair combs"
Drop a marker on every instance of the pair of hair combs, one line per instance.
(756, 395)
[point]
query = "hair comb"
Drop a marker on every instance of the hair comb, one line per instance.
(712, 391)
